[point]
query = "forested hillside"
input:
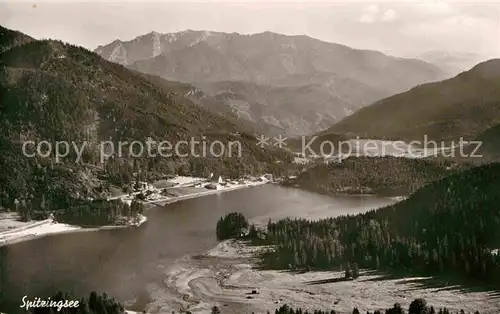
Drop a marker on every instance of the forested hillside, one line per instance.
(10, 38)
(54, 91)
(450, 227)
(490, 140)
(390, 176)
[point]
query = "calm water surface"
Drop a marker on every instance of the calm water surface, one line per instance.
(122, 262)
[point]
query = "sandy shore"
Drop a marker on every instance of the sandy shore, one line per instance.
(49, 227)
(226, 276)
(34, 230)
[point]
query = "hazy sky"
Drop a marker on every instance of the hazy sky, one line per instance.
(399, 28)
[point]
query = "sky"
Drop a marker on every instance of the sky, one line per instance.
(401, 28)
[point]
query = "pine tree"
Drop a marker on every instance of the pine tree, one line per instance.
(418, 306)
(355, 270)
(348, 272)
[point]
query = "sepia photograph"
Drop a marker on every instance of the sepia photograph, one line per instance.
(249, 157)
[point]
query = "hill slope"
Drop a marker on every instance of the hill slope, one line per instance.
(215, 104)
(490, 141)
(58, 92)
(290, 76)
(10, 38)
(304, 108)
(462, 106)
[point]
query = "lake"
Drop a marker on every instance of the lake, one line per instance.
(123, 262)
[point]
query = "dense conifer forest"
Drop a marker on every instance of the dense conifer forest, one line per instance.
(100, 212)
(233, 225)
(390, 176)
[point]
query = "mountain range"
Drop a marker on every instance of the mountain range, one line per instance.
(297, 84)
